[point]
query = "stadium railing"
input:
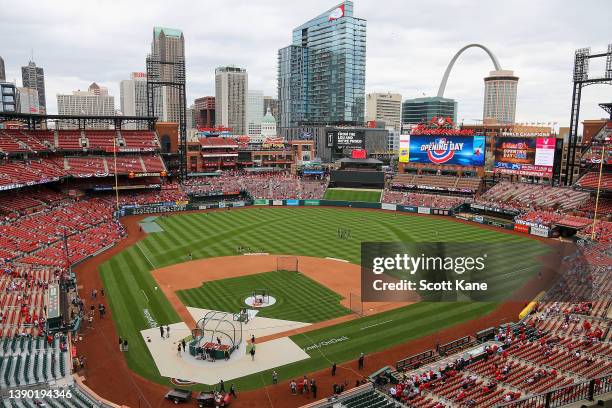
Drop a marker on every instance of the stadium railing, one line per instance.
(558, 397)
(331, 402)
(415, 360)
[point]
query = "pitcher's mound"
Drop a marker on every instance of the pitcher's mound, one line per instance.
(257, 301)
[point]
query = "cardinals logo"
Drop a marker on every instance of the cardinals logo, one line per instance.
(336, 13)
(441, 150)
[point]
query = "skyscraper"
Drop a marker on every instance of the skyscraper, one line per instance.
(27, 101)
(231, 85)
(420, 110)
(500, 96)
(2, 71)
(169, 46)
(255, 104)
(34, 77)
(321, 75)
(386, 107)
(205, 111)
(133, 98)
(93, 102)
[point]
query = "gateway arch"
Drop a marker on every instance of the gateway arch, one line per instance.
(452, 62)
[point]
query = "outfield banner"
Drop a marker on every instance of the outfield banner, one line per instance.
(479, 219)
(311, 202)
(277, 202)
(392, 207)
(221, 204)
(292, 202)
(407, 208)
(539, 231)
(521, 228)
(239, 204)
(424, 210)
(260, 201)
(464, 272)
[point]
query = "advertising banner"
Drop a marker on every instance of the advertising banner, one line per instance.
(346, 139)
(277, 202)
(458, 150)
(404, 149)
(479, 219)
(521, 228)
(260, 202)
(311, 202)
(525, 156)
(424, 210)
(391, 207)
(540, 231)
(292, 202)
(239, 204)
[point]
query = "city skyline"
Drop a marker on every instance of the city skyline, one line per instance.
(408, 48)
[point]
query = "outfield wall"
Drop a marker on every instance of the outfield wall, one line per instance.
(169, 207)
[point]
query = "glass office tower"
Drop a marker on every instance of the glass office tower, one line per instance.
(321, 76)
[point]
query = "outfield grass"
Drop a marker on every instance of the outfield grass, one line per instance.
(298, 298)
(345, 194)
(300, 231)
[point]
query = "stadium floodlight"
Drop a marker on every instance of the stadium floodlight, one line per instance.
(581, 64)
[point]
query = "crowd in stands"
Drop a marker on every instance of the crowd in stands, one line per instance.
(422, 200)
(526, 197)
(591, 181)
(437, 182)
(38, 238)
(275, 185)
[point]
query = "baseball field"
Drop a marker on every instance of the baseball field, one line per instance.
(137, 304)
(350, 194)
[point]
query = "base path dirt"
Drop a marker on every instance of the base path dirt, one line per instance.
(107, 373)
(342, 277)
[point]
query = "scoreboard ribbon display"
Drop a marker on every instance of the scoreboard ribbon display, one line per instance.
(458, 150)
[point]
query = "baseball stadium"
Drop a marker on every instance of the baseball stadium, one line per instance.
(141, 266)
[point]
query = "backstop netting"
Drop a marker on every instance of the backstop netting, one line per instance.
(356, 305)
(287, 263)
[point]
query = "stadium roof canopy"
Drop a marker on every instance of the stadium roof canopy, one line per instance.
(359, 161)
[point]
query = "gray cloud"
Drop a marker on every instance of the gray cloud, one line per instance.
(409, 45)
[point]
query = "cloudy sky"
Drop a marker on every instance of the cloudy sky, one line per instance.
(409, 44)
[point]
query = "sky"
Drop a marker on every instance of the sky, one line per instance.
(409, 44)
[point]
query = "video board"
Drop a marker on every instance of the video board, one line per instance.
(443, 149)
(525, 156)
(346, 139)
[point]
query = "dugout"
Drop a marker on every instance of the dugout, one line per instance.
(356, 173)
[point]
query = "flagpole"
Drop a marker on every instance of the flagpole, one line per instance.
(603, 152)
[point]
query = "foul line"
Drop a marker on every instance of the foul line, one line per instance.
(337, 259)
(375, 324)
(145, 295)
(145, 255)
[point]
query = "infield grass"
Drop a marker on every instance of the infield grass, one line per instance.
(347, 194)
(136, 304)
(298, 298)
